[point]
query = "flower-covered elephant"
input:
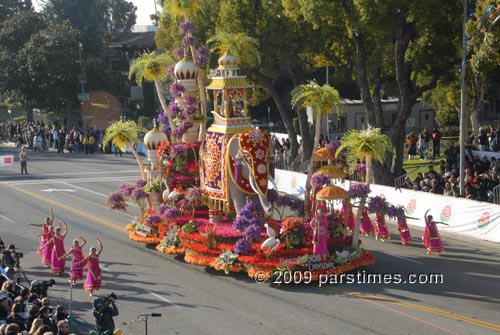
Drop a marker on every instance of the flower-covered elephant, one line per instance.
(233, 167)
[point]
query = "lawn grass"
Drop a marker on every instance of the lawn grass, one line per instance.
(18, 112)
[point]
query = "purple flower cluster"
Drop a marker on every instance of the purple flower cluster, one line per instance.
(318, 181)
(178, 150)
(127, 189)
(181, 129)
(242, 246)
(193, 197)
(172, 213)
(176, 89)
(295, 204)
(360, 169)
(253, 231)
(202, 56)
(116, 201)
(186, 27)
(161, 209)
(334, 145)
(138, 194)
(190, 105)
(140, 183)
(272, 195)
(359, 190)
(246, 216)
(170, 70)
(179, 53)
(396, 212)
(166, 129)
(377, 205)
(188, 40)
(152, 219)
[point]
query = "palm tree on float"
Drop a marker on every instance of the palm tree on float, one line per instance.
(240, 45)
(322, 100)
(364, 145)
(123, 134)
(151, 67)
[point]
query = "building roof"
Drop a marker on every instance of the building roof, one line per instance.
(142, 40)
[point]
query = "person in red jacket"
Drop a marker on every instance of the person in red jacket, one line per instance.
(436, 142)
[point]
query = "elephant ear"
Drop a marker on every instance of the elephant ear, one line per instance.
(254, 146)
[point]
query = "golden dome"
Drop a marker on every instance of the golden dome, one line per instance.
(228, 61)
(154, 138)
(186, 69)
(332, 192)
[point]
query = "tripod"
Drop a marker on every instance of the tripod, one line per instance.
(18, 271)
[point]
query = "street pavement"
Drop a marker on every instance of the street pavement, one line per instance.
(197, 300)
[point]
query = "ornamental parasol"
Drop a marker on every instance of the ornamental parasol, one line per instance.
(332, 171)
(323, 155)
(332, 192)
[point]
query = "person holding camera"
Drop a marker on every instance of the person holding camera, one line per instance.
(104, 310)
(8, 260)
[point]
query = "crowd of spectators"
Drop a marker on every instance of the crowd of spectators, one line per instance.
(481, 176)
(39, 137)
(23, 310)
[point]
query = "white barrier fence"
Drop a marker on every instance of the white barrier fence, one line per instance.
(465, 217)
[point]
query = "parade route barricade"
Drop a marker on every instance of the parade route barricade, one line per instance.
(476, 219)
(6, 161)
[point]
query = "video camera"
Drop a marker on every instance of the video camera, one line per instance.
(99, 302)
(17, 257)
(40, 287)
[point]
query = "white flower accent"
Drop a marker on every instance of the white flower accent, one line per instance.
(260, 154)
(256, 136)
(261, 169)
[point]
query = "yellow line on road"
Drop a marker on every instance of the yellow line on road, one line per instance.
(449, 315)
(69, 208)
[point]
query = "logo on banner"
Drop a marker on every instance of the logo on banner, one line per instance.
(411, 207)
(446, 213)
(484, 220)
(7, 160)
(294, 182)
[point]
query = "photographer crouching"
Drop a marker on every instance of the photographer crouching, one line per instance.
(104, 310)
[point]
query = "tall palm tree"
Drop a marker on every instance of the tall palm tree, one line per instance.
(123, 133)
(367, 145)
(322, 100)
(151, 67)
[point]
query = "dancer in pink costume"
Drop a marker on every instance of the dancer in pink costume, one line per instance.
(48, 245)
(78, 256)
(347, 212)
(45, 229)
(366, 226)
(58, 261)
(94, 277)
(404, 231)
(381, 229)
(320, 233)
(431, 238)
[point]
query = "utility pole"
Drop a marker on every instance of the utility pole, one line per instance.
(462, 103)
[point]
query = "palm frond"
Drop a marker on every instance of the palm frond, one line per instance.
(322, 99)
(121, 133)
(181, 8)
(366, 144)
(242, 46)
(150, 67)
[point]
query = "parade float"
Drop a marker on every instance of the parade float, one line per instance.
(213, 200)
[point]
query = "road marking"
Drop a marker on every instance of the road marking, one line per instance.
(62, 180)
(85, 189)
(80, 173)
(450, 315)
(406, 259)
(6, 219)
(69, 208)
(57, 190)
(163, 299)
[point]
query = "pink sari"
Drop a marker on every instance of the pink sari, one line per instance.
(45, 234)
(350, 217)
(404, 231)
(94, 277)
(366, 226)
(381, 230)
(58, 265)
(320, 238)
(76, 268)
(46, 250)
(432, 240)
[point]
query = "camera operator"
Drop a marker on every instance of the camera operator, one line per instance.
(8, 260)
(103, 311)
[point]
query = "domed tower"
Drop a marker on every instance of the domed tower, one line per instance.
(152, 140)
(186, 73)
